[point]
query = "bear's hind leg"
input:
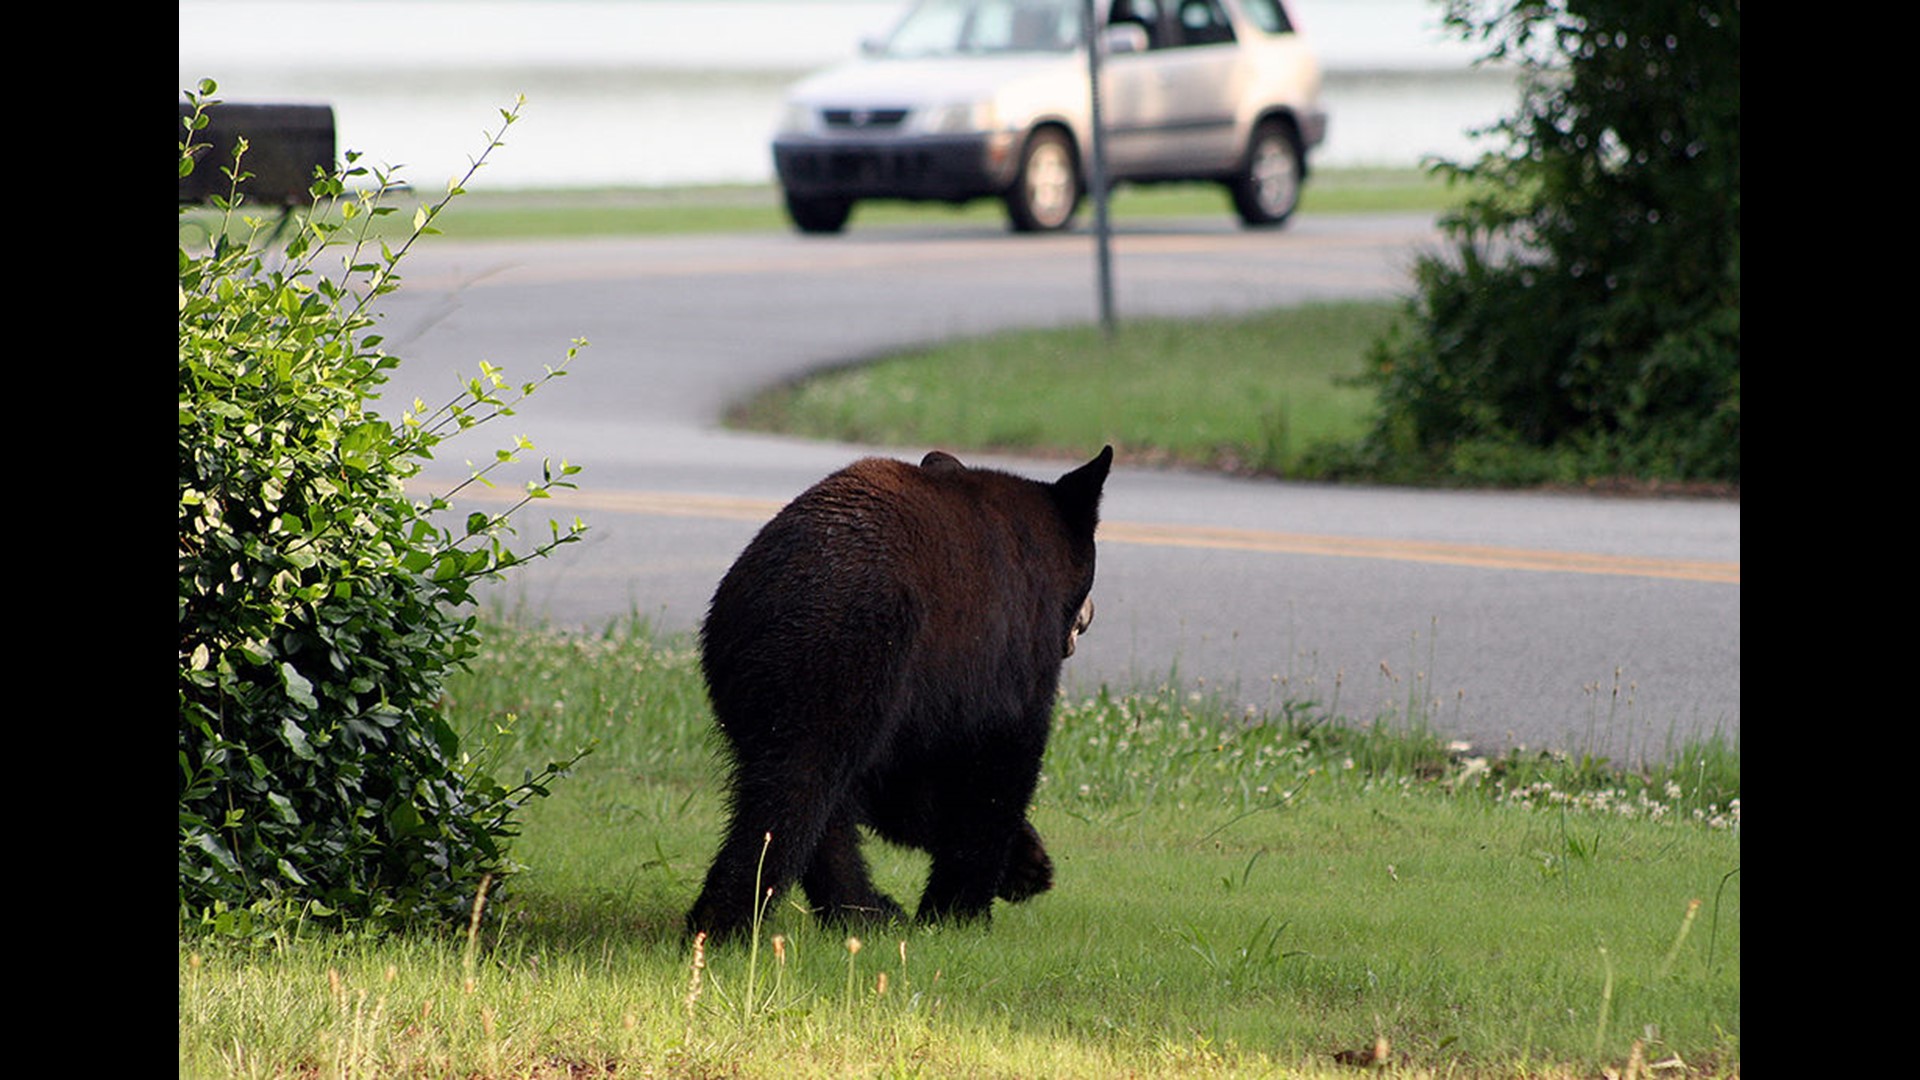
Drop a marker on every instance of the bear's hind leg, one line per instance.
(727, 901)
(837, 882)
(770, 841)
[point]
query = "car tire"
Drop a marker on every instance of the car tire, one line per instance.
(1267, 188)
(819, 214)
(1046, 191)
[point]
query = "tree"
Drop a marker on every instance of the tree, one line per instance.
(1584, 321)
(320, 603)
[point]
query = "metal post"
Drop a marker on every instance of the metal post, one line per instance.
(1097, 175)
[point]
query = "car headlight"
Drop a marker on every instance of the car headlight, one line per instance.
(962, 117)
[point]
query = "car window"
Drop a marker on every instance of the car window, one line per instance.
(1201, 22)
(1144, 12)
(1192, 22)
(1268, 15)
(943, 27)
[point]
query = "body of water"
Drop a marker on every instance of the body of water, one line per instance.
(624, 93)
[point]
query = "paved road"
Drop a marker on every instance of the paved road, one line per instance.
(1504, 618)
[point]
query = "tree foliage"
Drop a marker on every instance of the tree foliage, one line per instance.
(1584, 317)
(321, 604)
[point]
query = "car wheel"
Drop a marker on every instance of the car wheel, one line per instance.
(823, 214)
(1267, 188)
(1046, 192)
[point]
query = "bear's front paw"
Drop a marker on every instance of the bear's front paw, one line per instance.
(1029, 869)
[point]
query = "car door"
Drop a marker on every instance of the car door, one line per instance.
(1170, 110)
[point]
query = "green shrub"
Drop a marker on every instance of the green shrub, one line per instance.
(1587, 310)
(320, 603)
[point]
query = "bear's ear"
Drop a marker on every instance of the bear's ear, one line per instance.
(1078, 493)
(939, 461)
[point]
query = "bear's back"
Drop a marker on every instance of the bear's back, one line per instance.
(946, 580)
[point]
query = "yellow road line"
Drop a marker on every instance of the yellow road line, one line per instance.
(727, 508)
(1421, 551)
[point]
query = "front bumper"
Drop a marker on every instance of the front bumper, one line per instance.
(951, 168)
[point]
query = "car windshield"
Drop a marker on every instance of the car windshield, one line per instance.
(945, 27)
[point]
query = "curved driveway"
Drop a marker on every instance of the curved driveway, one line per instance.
(1583, 623)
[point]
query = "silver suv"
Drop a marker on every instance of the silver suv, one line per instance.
(972, 99)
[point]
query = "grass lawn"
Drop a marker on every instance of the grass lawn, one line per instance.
(484, 214)
(1244, 394)
(1279, 894)
(481, 214)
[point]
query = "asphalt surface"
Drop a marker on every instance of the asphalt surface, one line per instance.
(1585, 623)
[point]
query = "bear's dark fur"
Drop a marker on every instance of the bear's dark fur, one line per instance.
(886, 653)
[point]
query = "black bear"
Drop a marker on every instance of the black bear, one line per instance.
(885, 653)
